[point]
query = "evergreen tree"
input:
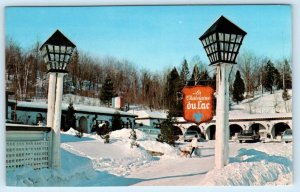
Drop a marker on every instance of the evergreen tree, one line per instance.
(204, 78)
(286, 76)
(107, 91)
(238, 88)
(70, 118)
(167, 131)
(184, 73)
(116, 123)
(172, 87)
(270, 76)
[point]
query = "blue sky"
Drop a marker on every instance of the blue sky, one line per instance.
(152, 37)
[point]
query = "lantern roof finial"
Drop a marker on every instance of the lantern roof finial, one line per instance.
(223, 25)
(59, 39)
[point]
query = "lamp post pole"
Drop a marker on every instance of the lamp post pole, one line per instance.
(222, 42)
(50, 119)
(57, 51)
(51, 98)
(57, 120)
(222, 111)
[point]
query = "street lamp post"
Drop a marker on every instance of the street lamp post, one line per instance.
(222, 42)
(56, 51)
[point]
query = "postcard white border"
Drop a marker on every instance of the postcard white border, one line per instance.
(296, 92)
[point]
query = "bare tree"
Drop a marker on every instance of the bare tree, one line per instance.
(245, 63)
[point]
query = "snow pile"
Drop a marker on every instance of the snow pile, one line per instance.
(144, 142)
(277, 149)
(246, 174)
(133, 158)
(116, 158)
(252, 167)
(123, 166)
(155, 146)
(124, 135)
(71, 131)
(70, 136)
(73, 168)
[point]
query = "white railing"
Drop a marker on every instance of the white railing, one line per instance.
(28, 146)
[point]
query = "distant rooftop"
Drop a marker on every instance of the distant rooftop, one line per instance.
(147, 114)
(78, 108)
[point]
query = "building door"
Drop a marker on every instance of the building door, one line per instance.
(83, 124)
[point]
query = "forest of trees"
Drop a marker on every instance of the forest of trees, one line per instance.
(103, 78)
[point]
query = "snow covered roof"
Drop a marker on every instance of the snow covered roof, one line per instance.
(97, 109)
(38, 105)
(78, 108)
(236, 115)
(240, 116)
(147, 114)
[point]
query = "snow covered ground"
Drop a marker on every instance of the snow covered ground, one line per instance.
(87, 161)
(264, 103)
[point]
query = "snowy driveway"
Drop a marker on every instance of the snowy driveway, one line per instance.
(174, 172)
(119, 159)
(134, 166)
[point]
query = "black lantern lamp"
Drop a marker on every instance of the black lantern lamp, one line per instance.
(222, 41)
(57, 51)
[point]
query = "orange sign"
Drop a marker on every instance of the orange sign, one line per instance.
(198, 103)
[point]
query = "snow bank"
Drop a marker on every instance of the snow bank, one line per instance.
(252, 167)
(167, 150)
(124, 135)
(70, 136)
(118, 135)
(71, 131)
(73, 169)
(145, 144)
(116, 158)
(247, 174)
(135, 158)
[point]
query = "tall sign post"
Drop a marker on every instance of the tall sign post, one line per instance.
(222, 42)
(56, 51)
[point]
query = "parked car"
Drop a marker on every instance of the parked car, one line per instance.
(264, 135)
(248, 135)
(189, 135)
(287, 136)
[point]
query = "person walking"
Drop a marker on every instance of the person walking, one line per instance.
(194, 144)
